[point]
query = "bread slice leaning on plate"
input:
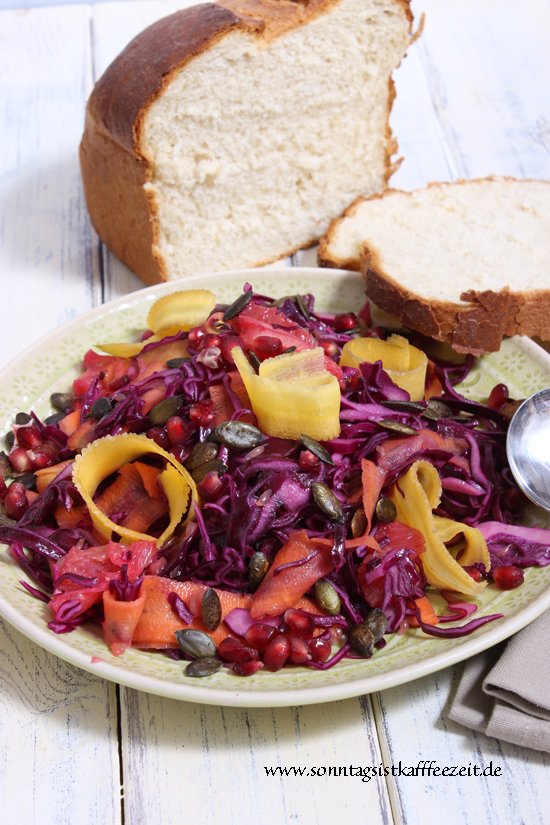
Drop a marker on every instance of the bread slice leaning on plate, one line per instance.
(230, 134)
(466, 263)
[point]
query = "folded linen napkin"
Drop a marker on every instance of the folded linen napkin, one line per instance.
(505, 691)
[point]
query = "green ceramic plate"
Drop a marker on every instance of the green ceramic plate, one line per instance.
(51, 364)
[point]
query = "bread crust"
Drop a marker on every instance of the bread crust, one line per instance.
(114, 167)
(475, 326)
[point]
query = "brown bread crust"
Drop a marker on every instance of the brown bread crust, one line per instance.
(114, 168)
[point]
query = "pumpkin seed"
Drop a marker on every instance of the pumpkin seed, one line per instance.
(288, 350)
(6, 521)
(317, 449)
(301, 304)
(238, 435)
(386, 510)
(100, 408)
(61, 401)
(396, 426)
(195, 643)
(358, 523)
(377, 623)
(280, 301)
(436, 410)
(201, 453)
(28, 480)
(165, 409)
(9, 438)
(404, 406)
(22, 418)
(174, 363)
(211, 609)
(5, 466)
(237, 306)
(327, 597)
(203, 667)
(361, 638)
(54, 418)
(254, 360)
(257, 568)
(213, 466)
(327, 502)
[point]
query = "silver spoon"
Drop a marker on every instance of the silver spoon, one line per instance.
(528, 447)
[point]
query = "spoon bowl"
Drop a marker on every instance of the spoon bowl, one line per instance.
(528, 448)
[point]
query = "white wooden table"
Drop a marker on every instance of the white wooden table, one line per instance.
(473, 99)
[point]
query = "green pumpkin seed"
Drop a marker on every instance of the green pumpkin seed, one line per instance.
(436, 410)
(203, 667)
(361, 638)
(358, 523)
(254, 360)
(55, 418)
(195, 643)
(22, 418)
(174, 363)
(99, 409)
(238, 435)
(386, 511)
(62, 401)
(257, 568)
(9, 438)
(28, 480)
(396, 426)
(211, 609)
(278, 302)
(377, 623)
(404, 406)
(237, 306)
(301, 304)
(317, 449)
(201, 453)
(327, 597)
(213, 466)
(288, 351)
(165, 409)
(327, 502)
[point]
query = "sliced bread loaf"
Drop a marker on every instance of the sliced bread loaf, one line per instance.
(230, 134)
(467, 263)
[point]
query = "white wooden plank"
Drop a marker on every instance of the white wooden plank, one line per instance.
(58, 739)
(183, 760)
(47, 251)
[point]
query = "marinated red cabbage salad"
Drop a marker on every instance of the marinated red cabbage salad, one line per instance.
(263, 485)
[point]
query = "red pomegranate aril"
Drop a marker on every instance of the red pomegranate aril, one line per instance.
(345, 322)
(299, 651)
(329, 347)
(308, 461)
(210, 340)
(259, 635)
(15, 503)
(476, 574)
(233, 650)
(195, 336)
(227, 344)
(159, 436)
(507, 577)
(320, 649)
(298, 622)
(19, 460)
(498, 397)
(42, 457)
(247, 668)
(267, 346)
(210, 485)
(355, 380)
(180, 453)
(277, 652)
(176, 430)
(29, 437)
(201, 414)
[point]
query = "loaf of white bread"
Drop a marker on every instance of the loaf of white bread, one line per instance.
(467, 262)
(229, 134)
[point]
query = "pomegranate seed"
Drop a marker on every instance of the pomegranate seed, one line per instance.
(210, 340)
(42, 457)
(498, 397)
(176, 430)
(308, 461)
(196, 334)
(19, 460)
(29, 437)
(276, 653)
(507, 577)
(180, 453)
(258, 635)
(159, 436)
(247, 668)
(329, 347)
(233, 650)
(210, 486)
(346, 321)
(299, 651)
(16, 502)
(202, 414)
(267, 346)
(227, 344)
(476, 574)
(300, 623)
(355, 380)
(320, 649)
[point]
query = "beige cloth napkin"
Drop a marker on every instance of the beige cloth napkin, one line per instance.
(505, 692)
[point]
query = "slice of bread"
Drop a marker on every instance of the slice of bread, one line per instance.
(467, 262)
(228, 135)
